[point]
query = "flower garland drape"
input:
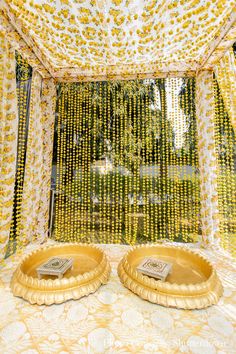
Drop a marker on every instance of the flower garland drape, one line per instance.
(8, 138)
(225, 72)
(23, 81)
(225, 139)
(127, 162)
(36, 191)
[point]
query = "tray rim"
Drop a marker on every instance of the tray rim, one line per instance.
(49, 291)
(187, 296)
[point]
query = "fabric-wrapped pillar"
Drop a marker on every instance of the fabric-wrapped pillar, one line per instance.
(8, 138)
(207, 157)
(36, 192)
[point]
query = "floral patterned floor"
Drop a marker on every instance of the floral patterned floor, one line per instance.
(114, 320)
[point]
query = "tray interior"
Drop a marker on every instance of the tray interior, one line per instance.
(187, 268)
(84, 260)
(182, 271)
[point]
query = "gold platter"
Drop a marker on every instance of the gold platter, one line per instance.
(192, 284)
(90, 270)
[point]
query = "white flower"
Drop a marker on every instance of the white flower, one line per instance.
(53, 312)
(162, 320)
(227, 292)
(13, 331)
(77, 312)
(198, 345)
(50, 346)
(14, 339)
(100, 339)
(220, 325)
(132, 318)
(6, 306)
(107, 297)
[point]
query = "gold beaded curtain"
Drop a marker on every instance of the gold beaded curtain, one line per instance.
(226, 182)
(127, 162)
(23, 81)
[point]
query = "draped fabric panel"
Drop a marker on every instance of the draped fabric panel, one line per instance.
(8, 138)
(117, 37)
(225, 72)
(48, 103)
(35, 202)
(34, 157)
(13, 37)
(207, 157)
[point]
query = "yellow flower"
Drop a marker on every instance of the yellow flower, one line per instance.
(119, 20)
(84, 19)
(10, 116)
(48, 8)
(65, 12)
(117, 2)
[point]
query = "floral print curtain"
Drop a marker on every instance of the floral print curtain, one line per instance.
(8, 138)
(225, 72)
(207, 157)
(35, 203)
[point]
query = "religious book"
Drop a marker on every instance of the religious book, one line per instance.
(155, 268)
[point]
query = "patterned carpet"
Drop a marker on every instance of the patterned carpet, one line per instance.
(114, 320)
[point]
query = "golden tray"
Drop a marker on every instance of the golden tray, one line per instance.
(192, 284)
(90, 270)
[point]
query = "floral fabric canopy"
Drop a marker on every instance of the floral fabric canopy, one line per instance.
(101, 37)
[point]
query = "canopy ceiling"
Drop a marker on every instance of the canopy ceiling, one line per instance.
(119, 36)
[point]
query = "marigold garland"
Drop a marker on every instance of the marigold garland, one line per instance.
(226, 182)
(127, 161)
(23, 79)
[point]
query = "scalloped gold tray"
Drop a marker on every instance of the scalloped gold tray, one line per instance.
(192, 284)
(90, 270)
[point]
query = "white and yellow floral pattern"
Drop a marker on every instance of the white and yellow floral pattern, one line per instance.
(8, 138)
(48, 105)
(225, 72)
(115, 321)
(118, 36)
(207, 157)
(35, 200)
(225, 44)
(77, 40)
(13, 37)
(33, 164)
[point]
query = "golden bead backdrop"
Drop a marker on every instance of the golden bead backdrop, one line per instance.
(127, 162)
